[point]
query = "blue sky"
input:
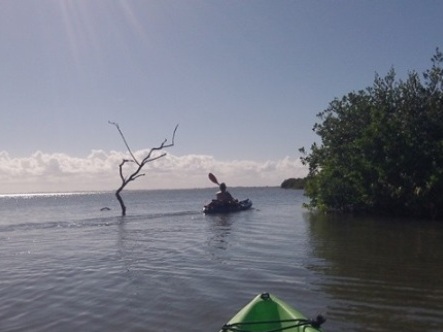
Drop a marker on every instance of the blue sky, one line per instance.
(244, 79)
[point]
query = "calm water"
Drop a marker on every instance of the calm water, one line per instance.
(67, 266)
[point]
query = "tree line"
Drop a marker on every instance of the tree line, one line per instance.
(381, 148)
(293, 183)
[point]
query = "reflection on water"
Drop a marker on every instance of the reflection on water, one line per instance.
(168, 267)
(380, 273)
(219, 230)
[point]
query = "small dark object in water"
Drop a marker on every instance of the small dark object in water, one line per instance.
(105, 209)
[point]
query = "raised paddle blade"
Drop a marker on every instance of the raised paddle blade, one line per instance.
(212, 178)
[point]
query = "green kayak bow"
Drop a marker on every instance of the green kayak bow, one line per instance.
(267, 313)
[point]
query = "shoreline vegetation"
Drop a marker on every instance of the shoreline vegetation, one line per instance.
(293, 183)
(381, 149)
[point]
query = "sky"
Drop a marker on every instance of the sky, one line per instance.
(243, 79)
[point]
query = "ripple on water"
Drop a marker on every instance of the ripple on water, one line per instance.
(168, 267)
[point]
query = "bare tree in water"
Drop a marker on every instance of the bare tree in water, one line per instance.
(140, 164)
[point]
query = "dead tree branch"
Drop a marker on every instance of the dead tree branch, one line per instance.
(124, 140)
(136, 174)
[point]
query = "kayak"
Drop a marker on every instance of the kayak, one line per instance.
(217, 207)
(267, 313)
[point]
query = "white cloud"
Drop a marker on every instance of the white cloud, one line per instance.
(58, 172)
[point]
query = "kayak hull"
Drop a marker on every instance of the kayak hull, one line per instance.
(268, 313)
(216, 207)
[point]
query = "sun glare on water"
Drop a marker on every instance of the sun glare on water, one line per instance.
(61, 194)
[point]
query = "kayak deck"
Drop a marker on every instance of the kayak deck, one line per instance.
(216, 207)
(267, 313)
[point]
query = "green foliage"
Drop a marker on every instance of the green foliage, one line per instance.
(382, 148)
(293, 183)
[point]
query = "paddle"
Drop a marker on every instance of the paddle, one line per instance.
(213, 178)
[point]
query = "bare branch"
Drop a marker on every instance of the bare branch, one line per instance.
(124, 140)
(173, 134)
(148, 159)
(121, 170)
(161, 147)
(136, 174)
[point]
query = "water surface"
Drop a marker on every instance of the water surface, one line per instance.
(67, 266)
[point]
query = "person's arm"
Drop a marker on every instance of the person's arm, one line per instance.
(229, 196)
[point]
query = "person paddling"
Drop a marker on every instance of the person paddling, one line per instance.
(223, 196)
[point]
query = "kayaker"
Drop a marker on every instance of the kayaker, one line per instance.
(223, 196)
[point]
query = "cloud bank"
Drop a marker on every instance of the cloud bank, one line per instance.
(59, 172)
